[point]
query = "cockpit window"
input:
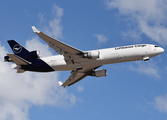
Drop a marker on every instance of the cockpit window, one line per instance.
(156, 46)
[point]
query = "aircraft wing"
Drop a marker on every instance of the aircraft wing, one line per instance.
(71, 54)
(74, 77)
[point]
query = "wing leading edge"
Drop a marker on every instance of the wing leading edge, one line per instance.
(71, 54)
(58, 46)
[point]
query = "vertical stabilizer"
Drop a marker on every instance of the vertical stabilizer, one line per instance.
(18, 49)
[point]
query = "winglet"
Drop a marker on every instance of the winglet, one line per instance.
(35, 29)
(60, 83)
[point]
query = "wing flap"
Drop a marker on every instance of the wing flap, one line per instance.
(18, 60)
(80, 78)
(74, 77)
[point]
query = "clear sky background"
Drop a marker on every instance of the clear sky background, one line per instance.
(131, 91)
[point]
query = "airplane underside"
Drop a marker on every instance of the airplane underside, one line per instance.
(38, 65)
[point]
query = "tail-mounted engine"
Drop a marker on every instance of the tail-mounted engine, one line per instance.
(30, 55)
(7, 59)
(92, 55)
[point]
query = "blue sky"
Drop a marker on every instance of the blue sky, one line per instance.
(134, 90)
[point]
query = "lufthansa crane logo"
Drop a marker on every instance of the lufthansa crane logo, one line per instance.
(17, 48)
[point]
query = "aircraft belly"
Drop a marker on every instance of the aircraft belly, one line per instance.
(37, 65)
(107, 56)
(113, 58)
(63, 68)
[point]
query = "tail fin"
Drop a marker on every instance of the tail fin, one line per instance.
(18, 49)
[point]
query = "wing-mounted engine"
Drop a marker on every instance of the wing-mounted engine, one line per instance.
(99, 73)
(92, 55)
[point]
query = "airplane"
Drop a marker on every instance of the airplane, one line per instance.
(80, 63)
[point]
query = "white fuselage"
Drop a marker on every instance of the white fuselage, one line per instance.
(107, 56)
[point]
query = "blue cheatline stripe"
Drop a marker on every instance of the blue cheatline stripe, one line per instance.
(37, 65)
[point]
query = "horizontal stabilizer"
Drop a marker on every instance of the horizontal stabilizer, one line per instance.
(18, 60)
(20, 70)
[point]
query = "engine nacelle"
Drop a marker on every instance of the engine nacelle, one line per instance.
(7, 59)
(92, 54)
(99, 73)
(32, 55)
(146, 58)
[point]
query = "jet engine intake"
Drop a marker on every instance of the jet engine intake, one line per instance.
(92, 55)
(99, 73)
(32, 55)
(7, 59)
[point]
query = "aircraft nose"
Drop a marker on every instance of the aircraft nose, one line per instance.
(158, 50)
(161, 50)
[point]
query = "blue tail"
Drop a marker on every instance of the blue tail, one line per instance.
(18, 49)
(22, 52)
